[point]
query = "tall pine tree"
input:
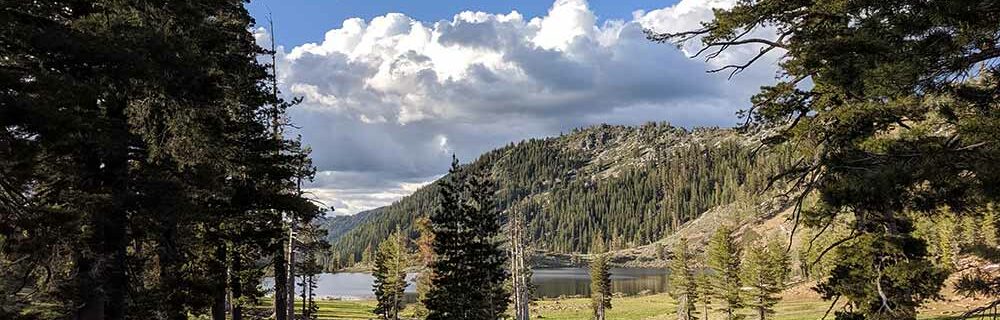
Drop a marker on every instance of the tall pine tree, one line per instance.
(136, 158)
(425, 257)
(600, 279)
(765, 270)
(723, 258)
(683, 280)
(469, 264)
(390, 277)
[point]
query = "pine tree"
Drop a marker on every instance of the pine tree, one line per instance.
(723, 258)
(469, 264)
(705, 292)
(970, 232)
(877, 118)
(390, 277)
(152, 174)
(765, 270)
(600, 279)
(367, 256)
(683, 281)
(425, 257)
(989, 226)
(947, 246)
(312, 244)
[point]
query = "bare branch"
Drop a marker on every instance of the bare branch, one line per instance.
(978, 310)
(834, 303)
(853, 236)
(737, 68)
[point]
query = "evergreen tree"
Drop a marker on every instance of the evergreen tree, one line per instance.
(600, 279)
(425, 257)
(970, 232)
(765, 270)
(367, 256)
(705, 291)
(312, 244)
(723, 258)
(989, 226)
(138, 159)
(900, 104)
(683, 280)
(390, 277)
(659, 251)
(468, 262)
(946, 247)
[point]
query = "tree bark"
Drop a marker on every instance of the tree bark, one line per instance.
(291, 269)
(600, 308)
(219, 296)
(236, 288)
(93, 303)
(518, 266)
(280, 284)
(110, 222)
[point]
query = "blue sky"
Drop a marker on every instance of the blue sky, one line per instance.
(391, 89)
(302, 21)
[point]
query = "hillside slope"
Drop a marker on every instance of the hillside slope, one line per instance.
(635, 185)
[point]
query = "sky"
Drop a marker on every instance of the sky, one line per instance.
(303, 21)
(391, 89)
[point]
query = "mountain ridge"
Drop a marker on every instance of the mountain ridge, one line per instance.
(634, 184)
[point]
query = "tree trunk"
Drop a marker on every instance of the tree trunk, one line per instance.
(761, 311)
(518, 266)
(166, 253)
(291, 269)
(110, 221)
(219, 306)
(93, 303)
(219, 296)
(682, 312)
(280, 284)
(116, 239)
(236, 288)
(305, 296)
(600, 308)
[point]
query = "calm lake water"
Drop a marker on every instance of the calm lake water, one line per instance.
(550, 283)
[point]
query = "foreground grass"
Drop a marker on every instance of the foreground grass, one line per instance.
(652, 307)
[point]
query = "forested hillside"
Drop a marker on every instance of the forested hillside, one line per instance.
(633, 184)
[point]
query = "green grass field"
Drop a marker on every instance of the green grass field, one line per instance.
(652, 307)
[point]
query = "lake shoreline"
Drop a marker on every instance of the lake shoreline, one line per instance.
(549, 283)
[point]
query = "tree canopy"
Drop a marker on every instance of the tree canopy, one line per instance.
(140, 159)
(892, 107)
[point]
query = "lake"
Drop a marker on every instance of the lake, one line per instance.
(550, 283)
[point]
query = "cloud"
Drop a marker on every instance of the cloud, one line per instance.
(387, 101)
(350, 192)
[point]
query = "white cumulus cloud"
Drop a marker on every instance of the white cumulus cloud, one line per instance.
(393, 97)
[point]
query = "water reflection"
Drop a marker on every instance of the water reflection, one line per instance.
(550, 283)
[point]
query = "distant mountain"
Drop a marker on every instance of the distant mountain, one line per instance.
(337, 226)
(636, 185)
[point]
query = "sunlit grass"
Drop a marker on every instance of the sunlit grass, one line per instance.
(652, 307)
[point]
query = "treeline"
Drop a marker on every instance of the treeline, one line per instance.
(642, 205)
(143, 169)
(575, 185)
